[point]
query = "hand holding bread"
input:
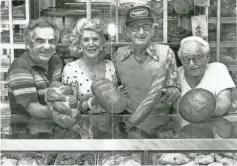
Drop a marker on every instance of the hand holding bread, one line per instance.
(63, 104)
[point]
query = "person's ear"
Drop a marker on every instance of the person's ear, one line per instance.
(208, 55)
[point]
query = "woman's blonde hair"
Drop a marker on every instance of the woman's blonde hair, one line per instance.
(95, 25)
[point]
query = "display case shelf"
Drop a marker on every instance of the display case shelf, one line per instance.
(224, 44)
(15, 22)
(224, 20)
(4, 69)
(14, 46)
(119, 145)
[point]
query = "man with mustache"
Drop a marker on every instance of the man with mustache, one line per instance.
(30, 75)
(137, 64)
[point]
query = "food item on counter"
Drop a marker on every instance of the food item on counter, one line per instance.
(66, 160)
(65, 133)
(26, 161)
(173, 159)
(177, 34)
(108, 96)
(136, 133)
(54, 96)
(193, 155)
(183, 6)
(228, 32)
(220, 126)
(67, 35)
(55, 84)
(149, 102)
(227, 9)
(220, 158)
(38, 125)
(5, 37)
(64, 120)
(63, 104)
(195, 131)
(26, 158)
(73, 101)
(86, 159)
(75, 159)
(197, 105)
(215, 164)
(62, 108)
(8, 162)
(66, 90)
(120, 160)
(5, 60)
(204, 159)
(191, 163)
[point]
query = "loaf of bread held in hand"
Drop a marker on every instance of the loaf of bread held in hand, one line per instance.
(62, 102)
(108, 96)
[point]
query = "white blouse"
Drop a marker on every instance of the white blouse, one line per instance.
(75, 75)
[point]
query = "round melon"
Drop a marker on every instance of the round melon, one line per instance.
(197, 105)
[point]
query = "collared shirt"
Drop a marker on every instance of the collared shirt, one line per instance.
(28, 81)
(149, 50)
(138, 77)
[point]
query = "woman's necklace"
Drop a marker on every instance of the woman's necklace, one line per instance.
(94, 72)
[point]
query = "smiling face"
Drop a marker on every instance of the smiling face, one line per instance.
(43, 44)
(91, 43)
(140, 32)
(193, 59)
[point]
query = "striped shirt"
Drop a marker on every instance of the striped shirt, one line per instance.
(28, 81)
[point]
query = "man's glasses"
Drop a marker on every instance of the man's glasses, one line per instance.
(196, 59)
(145, 27)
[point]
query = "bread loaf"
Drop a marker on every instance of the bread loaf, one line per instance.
(66, 121)
(53, 96)
(66, 90)
(108, 96)
(61, 108)
(62, 102)
(148, 104)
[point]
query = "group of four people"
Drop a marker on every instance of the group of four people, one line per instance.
(134, 66)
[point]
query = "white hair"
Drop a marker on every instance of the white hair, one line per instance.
(203, 44)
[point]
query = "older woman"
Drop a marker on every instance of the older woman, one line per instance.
(91, 66)
(194, 54)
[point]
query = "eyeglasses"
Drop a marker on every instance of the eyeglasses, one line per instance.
(196, 59)
(145, 27)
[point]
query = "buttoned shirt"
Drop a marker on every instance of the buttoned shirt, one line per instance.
(138, 75)
(28, 81)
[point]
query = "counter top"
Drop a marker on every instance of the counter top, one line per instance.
(106, 126)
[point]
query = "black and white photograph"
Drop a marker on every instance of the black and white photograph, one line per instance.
(118, 82)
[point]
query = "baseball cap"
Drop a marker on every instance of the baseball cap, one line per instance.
(138, 13)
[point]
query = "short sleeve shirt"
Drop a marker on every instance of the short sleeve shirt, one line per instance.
(75, 75)
(28, 81)
(215, 79)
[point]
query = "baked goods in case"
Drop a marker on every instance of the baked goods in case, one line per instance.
(75, 159)
(120, 160)
(8, 162)
(173, 159)
(204, 159)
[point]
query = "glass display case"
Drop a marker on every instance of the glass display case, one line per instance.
(160, 133)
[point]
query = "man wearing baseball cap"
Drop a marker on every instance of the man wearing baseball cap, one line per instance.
(137, 64)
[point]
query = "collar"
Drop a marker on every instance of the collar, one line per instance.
(33, 63)
(150, 50)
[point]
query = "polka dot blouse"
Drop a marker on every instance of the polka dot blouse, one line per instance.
(75, 75)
